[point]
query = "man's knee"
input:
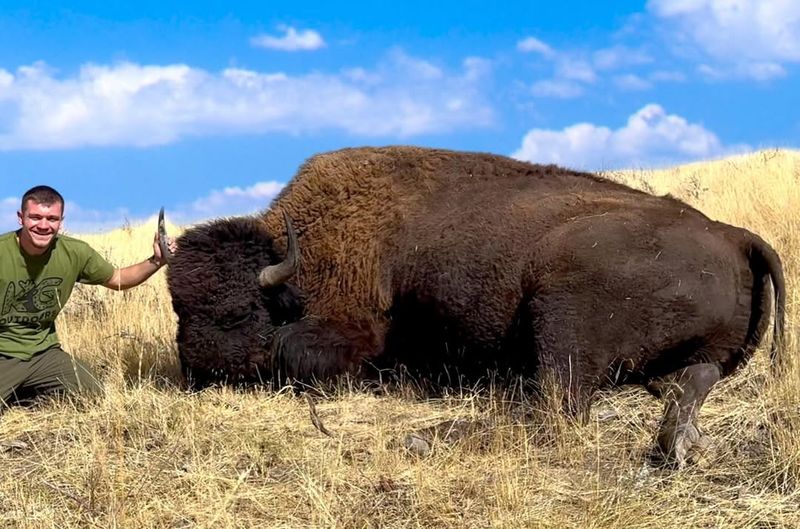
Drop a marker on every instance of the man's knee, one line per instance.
(84, 381)
(60, 372)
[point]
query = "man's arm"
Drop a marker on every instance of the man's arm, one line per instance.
(133, 275)
(136, 274)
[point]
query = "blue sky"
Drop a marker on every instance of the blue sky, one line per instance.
(208, 108)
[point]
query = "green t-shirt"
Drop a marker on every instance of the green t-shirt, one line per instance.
(34, 289)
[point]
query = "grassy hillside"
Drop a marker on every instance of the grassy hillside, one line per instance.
(149, 454)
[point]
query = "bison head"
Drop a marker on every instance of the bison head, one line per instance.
(229, 291)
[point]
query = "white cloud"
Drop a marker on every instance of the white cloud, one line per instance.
(721, 39)
(8, 213)
(650, 137)
(292, 40)
(617, 57)
(758, 71)
(632, 82)
(141, 105)
(360, 75)
(534, 45)
(231, 201)
(557, 88)
(6, 79)
(576, 70)
(418, 69)
(667, 76)
(78, 219)
(746, 38)
(477, 68)
(571, 75)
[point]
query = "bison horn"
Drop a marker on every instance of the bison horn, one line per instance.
(277, 274)
(163, 242)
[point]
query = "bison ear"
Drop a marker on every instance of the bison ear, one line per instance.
(285, 304)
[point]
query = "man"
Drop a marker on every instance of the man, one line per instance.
(38, 269)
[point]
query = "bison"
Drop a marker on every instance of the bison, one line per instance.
(458, 262)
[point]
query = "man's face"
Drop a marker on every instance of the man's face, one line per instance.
(40, 224)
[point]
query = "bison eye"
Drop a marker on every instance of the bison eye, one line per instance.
(235, 320)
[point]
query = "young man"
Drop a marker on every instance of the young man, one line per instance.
(38, 269)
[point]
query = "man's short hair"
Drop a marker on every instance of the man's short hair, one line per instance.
(45, 195)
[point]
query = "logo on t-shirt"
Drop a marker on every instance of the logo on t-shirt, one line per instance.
(26, 301)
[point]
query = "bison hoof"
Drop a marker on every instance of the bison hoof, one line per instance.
(699, 449)
(687, 445)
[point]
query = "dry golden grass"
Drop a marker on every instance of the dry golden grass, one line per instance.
(148, 454)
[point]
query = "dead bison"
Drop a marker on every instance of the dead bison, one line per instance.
(456, 262)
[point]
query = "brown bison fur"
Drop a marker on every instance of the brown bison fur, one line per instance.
(455, 262)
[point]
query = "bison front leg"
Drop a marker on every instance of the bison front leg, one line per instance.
(320, 349)
(683, 392)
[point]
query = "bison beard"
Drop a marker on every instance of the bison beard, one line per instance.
(461, 263)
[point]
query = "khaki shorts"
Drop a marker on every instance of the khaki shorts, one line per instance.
(49, 372)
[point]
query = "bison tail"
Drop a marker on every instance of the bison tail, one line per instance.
(764, 260)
